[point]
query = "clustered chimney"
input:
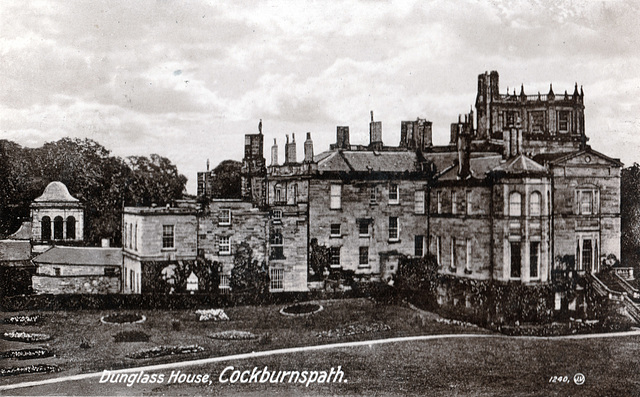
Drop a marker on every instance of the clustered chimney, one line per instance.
(375, 134)
(342, 138)
(290, 150)
(308, 149)
(464, 154)
(415, 134)
(274, 153)
(512, 138)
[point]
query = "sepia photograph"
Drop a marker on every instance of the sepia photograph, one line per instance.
(320, 198)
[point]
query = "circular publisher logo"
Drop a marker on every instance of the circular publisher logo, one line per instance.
(578, 378)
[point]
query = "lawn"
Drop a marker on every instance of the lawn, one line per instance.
(82, 343)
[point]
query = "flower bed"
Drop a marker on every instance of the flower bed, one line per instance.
(28, 337)
(131, 336)
(212, 315)
(26, 354)
(160, 351)
(123, 318)
(301, 309)
(354, 330)
(23, 320)
(233, 335)
(31, 369)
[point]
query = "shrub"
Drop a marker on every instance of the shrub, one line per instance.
(160, 351)
(264, 339)
(233, 335)
(131, 336)
(123, 318)
(176, 325)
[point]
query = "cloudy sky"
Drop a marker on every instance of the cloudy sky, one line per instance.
(187, 80)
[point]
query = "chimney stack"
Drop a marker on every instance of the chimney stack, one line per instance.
(308, 149)
(290, 150)
(342, 137)
(375, 134)
(464, 154)
(274, 153)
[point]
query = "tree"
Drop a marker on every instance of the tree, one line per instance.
(630, 214)
(417, 274)
(319, 256)
(247, 274)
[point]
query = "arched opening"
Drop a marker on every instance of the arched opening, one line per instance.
(71, 228)
(534, 204)
(45, 228)
(515, 204)
(58, 228)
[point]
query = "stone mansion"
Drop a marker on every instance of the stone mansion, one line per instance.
(517, 193)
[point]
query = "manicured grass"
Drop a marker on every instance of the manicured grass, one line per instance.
(71, 329)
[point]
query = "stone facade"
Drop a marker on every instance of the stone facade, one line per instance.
(158, 235)
(76, 285)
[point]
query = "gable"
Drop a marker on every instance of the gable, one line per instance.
(587, 158)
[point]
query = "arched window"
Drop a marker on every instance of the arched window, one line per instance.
(58, 228)
(71, 228)
(45, 228)
(515, 204)
(534, 204)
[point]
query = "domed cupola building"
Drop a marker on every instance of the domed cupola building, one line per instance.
(56, 217)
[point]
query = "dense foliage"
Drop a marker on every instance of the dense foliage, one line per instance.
(630, 214)
(103, 183)
(247, 274)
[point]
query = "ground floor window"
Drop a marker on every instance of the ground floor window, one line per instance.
(418, 249)
(516, 260)
(276, 279)
(534, 259)
(363, 257)
(225, 284)
(334, 256)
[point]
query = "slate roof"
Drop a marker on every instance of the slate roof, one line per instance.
(56, 192)
(15, 250)
(363, 161)
(520, 164)
(479, 167)
(89, 256)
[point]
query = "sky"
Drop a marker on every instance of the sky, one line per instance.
(187, 79)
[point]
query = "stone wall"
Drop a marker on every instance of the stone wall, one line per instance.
(76, 285)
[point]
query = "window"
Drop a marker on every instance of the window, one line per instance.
(131, 286)
(516, 261)
(418, 246)
(277, 216)
(439, 250)
(109, 271)
(225, 284)
(56, 271)
(467, 258)
(224, 245)
(71, 228)
(135, 237)
(563, 121)
(454, 199)
(536, 121)
(334, 256)
(439, 200)
(58, 228)
(534, 259)
(511, 118)
(130, 235)
(363, 257)
(363, 228)
(276, 242)
(515, 204)
(394, 193)
(124, 237)
(294, 194)
(336, 197)
(278, 194)
(586, 258)
(335, 230)
(276, 279)
(467, 199)
(224, 217)
(418, 206)
(534, 204)
(452, 264)
(45, 228)
(585, 198)
(393, 228)
(167, 236)
(373, 194)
